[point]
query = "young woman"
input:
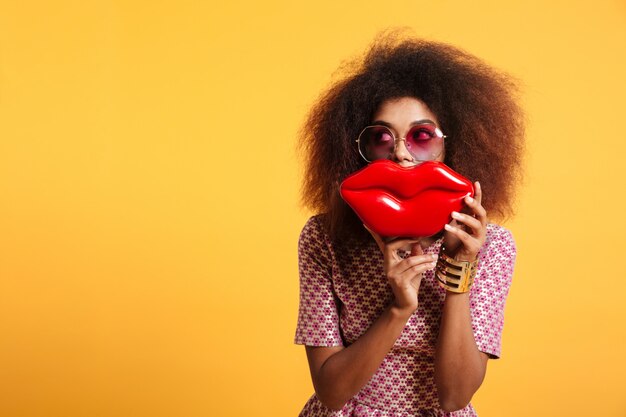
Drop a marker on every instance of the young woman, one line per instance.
(382, 336)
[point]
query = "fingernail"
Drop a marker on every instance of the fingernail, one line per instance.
(448, 227)
(470, 199)
(455, 215)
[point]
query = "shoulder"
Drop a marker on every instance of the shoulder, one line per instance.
(497, 260)
(497, 256)
(314, 228)
(315, 223)
(499, 238)
(499, 249)
(314, 241)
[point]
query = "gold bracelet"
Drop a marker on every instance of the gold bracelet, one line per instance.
(455, 276)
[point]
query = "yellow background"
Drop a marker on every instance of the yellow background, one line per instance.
(149, 200)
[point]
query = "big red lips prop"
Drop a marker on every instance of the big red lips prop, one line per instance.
(393, 201)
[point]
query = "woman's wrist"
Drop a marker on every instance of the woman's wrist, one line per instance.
(399, 312)
(455, 275)
(453, 294)
(458, 255)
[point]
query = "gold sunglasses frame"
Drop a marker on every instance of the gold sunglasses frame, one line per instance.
(396, 140)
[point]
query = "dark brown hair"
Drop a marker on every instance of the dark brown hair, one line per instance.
(475, 104)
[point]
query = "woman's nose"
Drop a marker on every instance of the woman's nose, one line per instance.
(401, 154)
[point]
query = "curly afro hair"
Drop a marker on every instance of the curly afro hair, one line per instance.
(475, 104)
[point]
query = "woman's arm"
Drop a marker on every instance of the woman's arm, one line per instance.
(338, 372)
(459, 366)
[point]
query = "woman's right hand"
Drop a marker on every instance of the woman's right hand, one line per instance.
(404, 275)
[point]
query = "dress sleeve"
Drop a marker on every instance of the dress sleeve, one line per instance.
(490, 289)
(318, 313)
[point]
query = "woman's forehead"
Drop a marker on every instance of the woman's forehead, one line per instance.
(404, 111)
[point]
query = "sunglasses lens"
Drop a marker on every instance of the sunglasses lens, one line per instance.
(376, 142)
(424, 142)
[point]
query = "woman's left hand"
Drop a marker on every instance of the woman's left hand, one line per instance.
(466, 233)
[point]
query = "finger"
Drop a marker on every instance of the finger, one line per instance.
(481, 213)
(416, 249)
(449, 239)
(415, 282)
(469, 221)
(470, 242)
(377, 238)
(454, 223)
(410, 273)
(477, 208)
(478, 193)
(466, 207)
(413, 261)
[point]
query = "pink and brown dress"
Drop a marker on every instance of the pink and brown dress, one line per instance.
(343, 291)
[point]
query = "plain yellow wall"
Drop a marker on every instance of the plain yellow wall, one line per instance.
(149, 200)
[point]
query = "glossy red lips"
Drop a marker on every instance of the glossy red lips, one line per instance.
(410, 202)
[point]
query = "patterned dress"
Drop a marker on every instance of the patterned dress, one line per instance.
(342, 292)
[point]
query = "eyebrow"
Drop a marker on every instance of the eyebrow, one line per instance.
(417, 122)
